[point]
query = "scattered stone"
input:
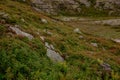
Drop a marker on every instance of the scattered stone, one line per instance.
(106, 70)
(67, 19)
(23, 20)
(21, 33)
(44, 21)
(52, 54)
(42, 38)
(106, 67)
(116, 40)
(47, 45)
(85, 2)
(108, 4)
(4, 15)
(48, 32)
(94, 44)
(111, 22)
(52, 47)
(77, 30)
(81, 37)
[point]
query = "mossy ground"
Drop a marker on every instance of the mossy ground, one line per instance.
(22, 59)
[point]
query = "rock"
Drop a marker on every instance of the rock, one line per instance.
(94, 44)
(52, 47)
(21, 33)
(111, 22)
(4, 15)
(77, 30)
(47, 45)
(52, 54)
(85, 2)
(66, 19)
(107, 4)
(106, 67)
(23, 20)
(75, 6)
(48, 32)
(106, 70)
(42, 38)
(81, 37)
(116, 40)
(44, 21)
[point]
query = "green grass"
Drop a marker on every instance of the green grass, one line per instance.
(24, 59)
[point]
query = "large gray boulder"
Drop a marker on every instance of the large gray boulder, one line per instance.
(52, 54)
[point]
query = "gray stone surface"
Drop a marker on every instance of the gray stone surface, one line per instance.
(111, 22)
(85, 2)
(48, 32)
(106, 67)
(77, 30)
(4, 15)
(94, 44)
(81, 37)
(116, 40)
(42, 38)
(52, 54)
(75, 6)
(20, 32)
(44, 21)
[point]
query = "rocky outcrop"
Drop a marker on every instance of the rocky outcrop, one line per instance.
(52, 54)
(55, 6)
(111, 22)
(76, 6)
(19, 32)
(112, 6)
(107, 4)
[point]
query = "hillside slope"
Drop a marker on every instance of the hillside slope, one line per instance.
(78, 7)
(35, 47)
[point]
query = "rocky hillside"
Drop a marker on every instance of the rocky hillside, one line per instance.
(35, 46)
(78, 7)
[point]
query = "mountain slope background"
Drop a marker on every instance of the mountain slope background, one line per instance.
(86, 56)
(78, 7)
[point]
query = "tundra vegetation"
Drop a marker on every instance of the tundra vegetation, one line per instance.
(87, 53)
